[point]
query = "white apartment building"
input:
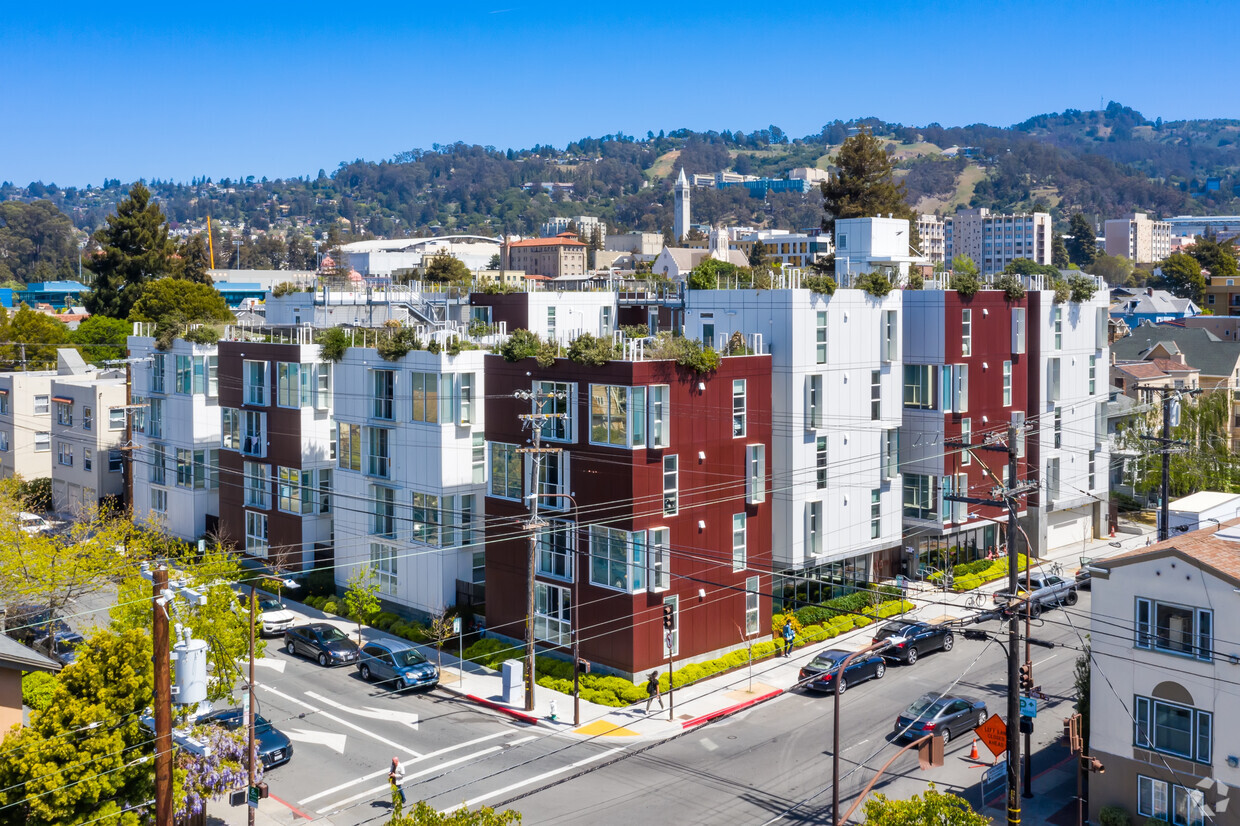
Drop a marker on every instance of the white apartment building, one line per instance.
(835, 481)
(789, 249)
(865, 245)
(1137, 238)
(88, 431)
(1066, 435)
(410, 475)
(635, 243)
(932, 230)
(561, 315)
(176, 434)
(1166, 731)
(26, 424)
(994, 241)
(584, 225)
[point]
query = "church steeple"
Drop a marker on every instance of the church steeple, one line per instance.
(680, 211)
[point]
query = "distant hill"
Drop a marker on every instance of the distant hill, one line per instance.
(1102, 162)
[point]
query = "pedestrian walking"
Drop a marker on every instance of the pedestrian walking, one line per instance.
(789, 636)
(395, 775)
(652, 690)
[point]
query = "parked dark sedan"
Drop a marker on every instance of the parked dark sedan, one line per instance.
(61, 646)
(27, 623)
(273, 746)
(915, 639)
(387, 660)
(948, 716)
(320, 641)
(820, 673)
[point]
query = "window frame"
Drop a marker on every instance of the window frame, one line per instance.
(553, 623)
(966, 333)
(634, 418)
(671, 484)
(257, 543)
(513, 481)
(820, 337)
(740, 542)
(739, 408)
(607, 546)
(555, 545)
(753, 604)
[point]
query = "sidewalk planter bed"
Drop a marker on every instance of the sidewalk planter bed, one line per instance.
(970, 575)
(386, 621)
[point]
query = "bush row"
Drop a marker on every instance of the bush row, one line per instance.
(853, 603)
(385, 621)
(995, 569)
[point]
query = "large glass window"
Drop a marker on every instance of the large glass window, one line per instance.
(1174, 729)
(426, 518)
(671, 485)
(64, 414)
(258, 485)
(658, 418)
(255, 373)
(617, 558)
(426, 401)
(158, 459)
(253, 433)
(157, 374)
(288, 384)
(919, 498)
(256, 534)
(184, 375)
(378, 452)
(751, 606)
(552, 481)
(738, 407)
(556, 399)
(919, 386)
(552, 614)
(505, 471)
(185, 468)
(116, 418)
(555, 549)
(478, 445)
(159, 500)
(1175, 629)
(382, 511)
(155, 418)
(740, 557)
(296, 490)
(617, 415)
(349, 446)
(383, 567)
(383, 389)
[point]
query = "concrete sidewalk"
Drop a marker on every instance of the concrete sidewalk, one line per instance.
(685, 707)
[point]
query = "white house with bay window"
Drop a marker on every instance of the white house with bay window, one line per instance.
(1160, 639)
(834, 477)
(410, 475)
(174, 411)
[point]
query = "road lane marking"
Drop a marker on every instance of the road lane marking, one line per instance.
(335, 742)
(535, 779)
(382, 772)
(1045, 659)
(344, 723)
(340, 804)
(519, 742)
(407, 718)
(265, 662)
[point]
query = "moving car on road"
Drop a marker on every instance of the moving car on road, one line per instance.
(949, 716)
(820, 673)
(273, 746)
(274, 618)
(320, 641)
(387, 660)
(32, 523)
(1047, 591)
(911, 639)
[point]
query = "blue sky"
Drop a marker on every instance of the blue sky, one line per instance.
(228, 89)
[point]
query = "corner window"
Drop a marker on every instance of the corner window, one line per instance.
(617, 558)
(557, 400)
(617, 415)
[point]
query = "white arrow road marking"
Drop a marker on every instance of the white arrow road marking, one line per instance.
(530, 781)
(278, 665)
(340, 804)
(408, 718)
(344, 723)
(408, 763)
(335, 742)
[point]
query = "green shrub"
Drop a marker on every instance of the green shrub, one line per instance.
(965, 283)
(821, 284)
(202, 334)
(385, 620)
(1012, 288)
(332, 343)
(321, 582)
(1114, 816)
(331, 607)
(37, 690)
(591, 350)
(763, 650)
(1063, 290)
(874, 283)
(1081, 288)
(685, 352)
(283, 289)
(395, 346)
(635, 330)
(915, 281)
(521, 344)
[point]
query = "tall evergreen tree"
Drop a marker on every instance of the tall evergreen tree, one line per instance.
(135, 249)
(1082, 243)
(1059, 252)
(863, 185)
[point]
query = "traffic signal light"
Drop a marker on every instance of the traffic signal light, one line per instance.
(583, 666)
(1026, 677)
(669, 616)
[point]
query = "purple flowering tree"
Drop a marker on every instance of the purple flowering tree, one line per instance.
(200, 779)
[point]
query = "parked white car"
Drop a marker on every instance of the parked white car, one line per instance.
(274, 618)
(32, 523)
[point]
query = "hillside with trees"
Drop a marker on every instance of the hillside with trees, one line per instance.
(1101, 163)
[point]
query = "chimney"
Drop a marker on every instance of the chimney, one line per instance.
(1149, 291)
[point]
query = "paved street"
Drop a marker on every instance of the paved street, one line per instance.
(776, 759)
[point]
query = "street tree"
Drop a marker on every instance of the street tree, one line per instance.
(1114, 269)
(32, 339)
(361, 598)
(1082, 241)
(101, 338)
(135, 249)
(1219, 257)
(87, 756)
(446, 268)
(757, 254)
(1181, 275)
(174, 302)
(934, 808)
(863, 185)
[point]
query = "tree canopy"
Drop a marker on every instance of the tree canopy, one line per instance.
(32, 339)
(172, 302)
(1219, 257)
(135, 249)
(864, 185)
(1181, 275)
(1082, 242)
(934, 808)
(446, 268)
(101, 338)
(37, 242)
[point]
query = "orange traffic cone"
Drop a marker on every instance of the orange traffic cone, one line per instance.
(973, 751)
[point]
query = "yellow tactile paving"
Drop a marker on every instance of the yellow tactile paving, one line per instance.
(602, 728)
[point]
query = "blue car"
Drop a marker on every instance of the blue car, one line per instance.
(396, 661)
(820, 673)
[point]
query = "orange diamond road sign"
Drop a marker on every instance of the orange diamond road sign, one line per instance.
(993, 733)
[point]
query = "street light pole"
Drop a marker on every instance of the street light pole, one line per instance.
(835, 746)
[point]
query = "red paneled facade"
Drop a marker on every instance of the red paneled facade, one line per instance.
(668, 469)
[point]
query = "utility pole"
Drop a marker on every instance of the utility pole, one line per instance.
(1006, 495)
(535, 422)
(252, 747)
(163, 700)
(1171, 416)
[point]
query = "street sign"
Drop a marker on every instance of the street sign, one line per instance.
(995, 773)
(1037, 693)
(456, 625)
(1028, 707)
(253, 797)
(993, 733)
(671, 642)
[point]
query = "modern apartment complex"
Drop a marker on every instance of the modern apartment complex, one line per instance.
(657, 496)
(932, 230)
(409, 468)
(555, 315)
(1138, 238)
(1160, 640)
(994, 241)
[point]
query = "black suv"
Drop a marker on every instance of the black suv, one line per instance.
(916, 638)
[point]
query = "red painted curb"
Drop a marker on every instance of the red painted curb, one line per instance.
(519, 715)
(724, 712)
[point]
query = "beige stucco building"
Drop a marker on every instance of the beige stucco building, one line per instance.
(88, 431)
(1137, 238)
(553, 257)
(994, 241)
